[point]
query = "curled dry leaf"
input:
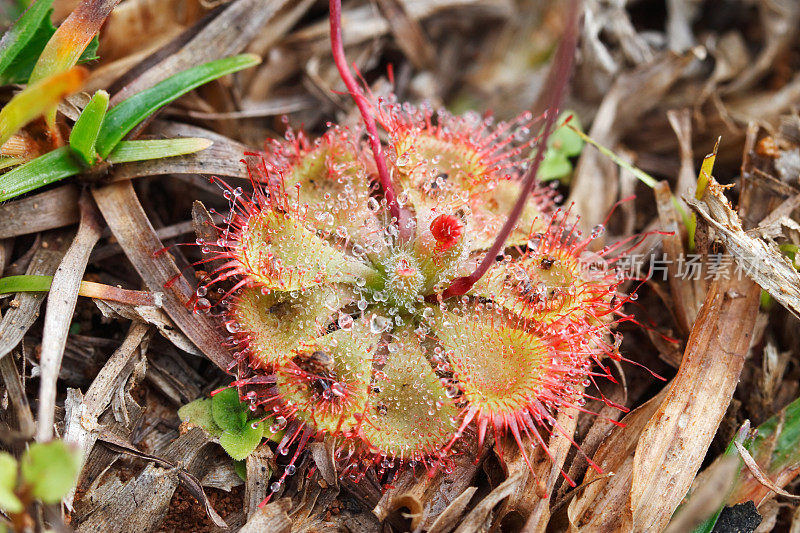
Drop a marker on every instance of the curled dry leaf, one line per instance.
(597, 507)
(759, 474)
(676, 439)
(476, 519)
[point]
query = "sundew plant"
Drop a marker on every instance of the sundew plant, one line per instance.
(397, 286)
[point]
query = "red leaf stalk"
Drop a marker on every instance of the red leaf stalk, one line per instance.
(337, 48)
(562, 67)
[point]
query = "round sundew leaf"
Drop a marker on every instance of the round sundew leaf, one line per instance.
(51, 470)
(547, 288)
(326, 384)
(409, 413)
(490, 210)
(9, 502)
(499, 368)
(333, 181)
(279, 252)
(276, 323)
(426, 162)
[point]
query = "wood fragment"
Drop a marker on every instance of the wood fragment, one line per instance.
(260, 466)
(17, 321)
(58, 315)
(227, 34)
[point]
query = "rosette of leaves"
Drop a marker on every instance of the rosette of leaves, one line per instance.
(346, 306)
(228, 420)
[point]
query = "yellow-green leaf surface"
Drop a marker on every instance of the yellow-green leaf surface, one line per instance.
(278, 323)
(280, 253)
(409, 414)
(127, 151)
(50, 469)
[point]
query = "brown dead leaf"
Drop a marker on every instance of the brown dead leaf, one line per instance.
(48, 210)
(61, 302)
(675, 441)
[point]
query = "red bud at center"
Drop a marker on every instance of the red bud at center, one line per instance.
(447, 230)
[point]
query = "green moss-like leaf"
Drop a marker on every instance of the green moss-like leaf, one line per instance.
(555, 165)
(565, 140)
(240, 467)
(240, 444)
(199, 414)
(409, 414)
(9, 502)
(51, 470)
(228, 412)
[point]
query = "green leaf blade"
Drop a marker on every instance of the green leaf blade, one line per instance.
(83, 137)
(51, 470)
(44, 170)
(123, 117)
(229, 413)
(9, 502)
(142, 150)
(36, 99)
(23, 31)
(198, 413)
(25, 283)
(242, 443)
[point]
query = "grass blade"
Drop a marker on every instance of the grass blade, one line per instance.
(127, 151)
(83, 137)
(123, 117)
(25, 283)
(37, 99)
(15, 40)
(71, 38)
(44, 170)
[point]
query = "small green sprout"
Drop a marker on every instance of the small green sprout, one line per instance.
(228, 420)
(46, 472)
(563, 144)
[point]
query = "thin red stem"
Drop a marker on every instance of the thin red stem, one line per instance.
(337, 48)
(559, 75)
